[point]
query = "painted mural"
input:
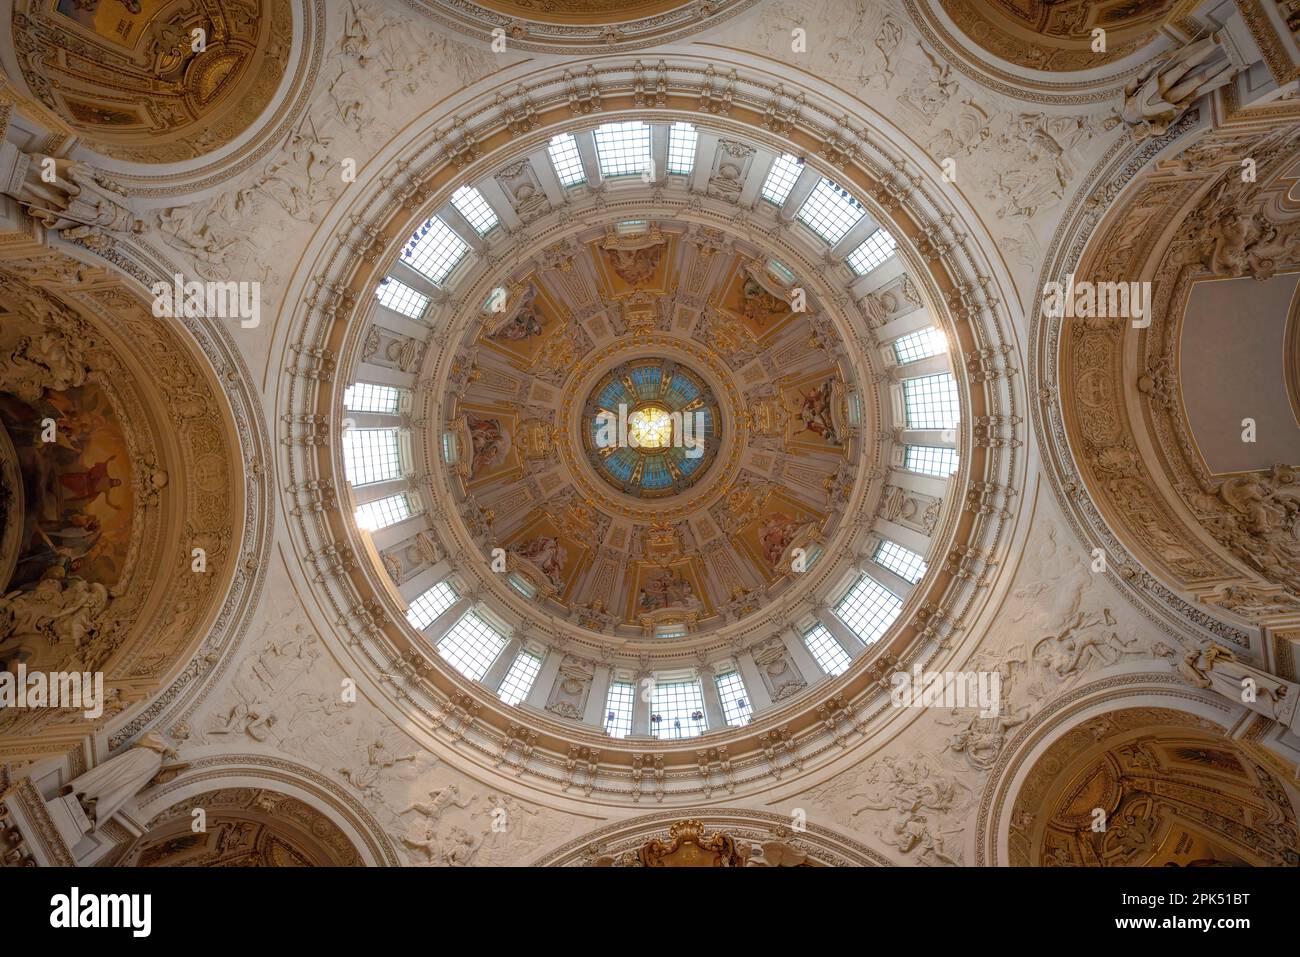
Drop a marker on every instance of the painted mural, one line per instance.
(670, 587)
(78, 502)
(530, 320)
(632, 265)
(121, 21)
(557, 546)
(486, 440)
(815, 411)
(635, 266)
(755, 307)
(770, 526)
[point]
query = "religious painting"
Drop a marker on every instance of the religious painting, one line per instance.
(674, 587)
(520, 331)
(776, 533)
(752, 298)
(549, 546)
(98, 114)
(548, 554)
(78, 504)
(491, 444)
(816, 411)
(524, 324)
(632, 264)
(779, 522)
(635, 266)
(122, 22)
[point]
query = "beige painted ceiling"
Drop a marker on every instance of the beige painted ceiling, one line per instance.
(1232, 355)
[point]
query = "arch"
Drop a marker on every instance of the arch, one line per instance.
(249, 774)
(1114, 705)
(137, 477)
(590, 27)
(1145, 785)
(1119, 442)
(619, 842)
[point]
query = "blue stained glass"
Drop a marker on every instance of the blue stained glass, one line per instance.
(621, 463)
(670, 388)
(612, 395)
(647, 379)
(681, 391)
(655, 474)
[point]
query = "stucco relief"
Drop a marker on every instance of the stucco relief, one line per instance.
(860, 45)
(912, 804)
(1060, 624)
(1016, 164)
(1229, 228)
(101, 543)
(287, 694)
(232, 233)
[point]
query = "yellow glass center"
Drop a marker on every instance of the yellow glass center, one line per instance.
(650, 427)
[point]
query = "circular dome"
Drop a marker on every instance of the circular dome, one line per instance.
(581, 26)
(154, 82)
(583, 11)
(1061, 35)
(651, 428)
(855, 386)
(629, 437)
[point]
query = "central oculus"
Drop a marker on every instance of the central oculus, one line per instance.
(651, 428)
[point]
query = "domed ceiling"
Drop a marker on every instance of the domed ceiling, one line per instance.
(628, 497)
(495, 482)
(1215, 511)
(245, 827)
(583, 11)
(1176, 794)
(154, 81)
(581, 26)
(1058, 34)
